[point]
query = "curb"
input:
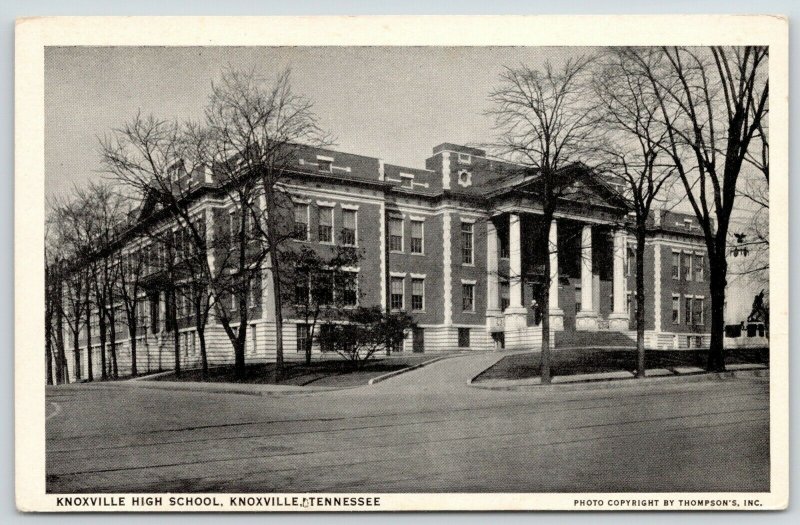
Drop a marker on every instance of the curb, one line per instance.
(390, 375)
(147, 377)
(605, 383)
(226, 388)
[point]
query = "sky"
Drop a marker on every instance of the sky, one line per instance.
(391, 103)
(395, 103)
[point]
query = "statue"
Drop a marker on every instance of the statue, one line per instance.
(758, 313)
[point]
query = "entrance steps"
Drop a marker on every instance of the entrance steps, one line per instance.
(598, 339)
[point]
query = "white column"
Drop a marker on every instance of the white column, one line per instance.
(492, 279)
(515, 261)
(586, 269)
(618, 320)
(587, 317)
(516, 313)
(556, 314)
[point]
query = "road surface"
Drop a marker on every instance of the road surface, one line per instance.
(424, 431)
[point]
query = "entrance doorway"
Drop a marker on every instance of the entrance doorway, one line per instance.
(418, 340)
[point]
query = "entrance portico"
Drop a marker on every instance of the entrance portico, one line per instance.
(586, 286)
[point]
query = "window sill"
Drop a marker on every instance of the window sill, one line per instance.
(396, 251)
(417, 254)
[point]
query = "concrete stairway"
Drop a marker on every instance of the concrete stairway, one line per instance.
(599, 339)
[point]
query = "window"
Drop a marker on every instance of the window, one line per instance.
(699, 263)
(251, 334)
(396, 235)
(301, 222)
(350, 289)
(697, 314)
(325, 165)
(406, 180)
(396, 301)
(464, 158)
(630, 261)
(676, 265)
(463, 337)
(505, 295)
(676, 309)
(324, 288)
(505, 249)
(629, 302)
(687, 266)
(349, 227)
(302, 337)
(233, 223)
(687, 224)
(688, 311)
(301, 292)
(398, 346)
(466, 243)
(468, 297)
(418, 294)
(325, 224)
(325, 333)
(254, 293)
(417, 229)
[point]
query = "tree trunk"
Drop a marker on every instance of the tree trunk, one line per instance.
(132, 320)
(201, 334)
(241, 338)
(238, 349)
(275, 261)
(544, 370)
(200, 326)
(640, 313)
(61, 358)
(718, 269)
(76, 349)
(101, 320)
(176, 336)
(309, 344)
(89, 371)
(112, 322)
(48, 340)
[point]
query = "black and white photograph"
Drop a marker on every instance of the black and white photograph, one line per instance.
(327, 277)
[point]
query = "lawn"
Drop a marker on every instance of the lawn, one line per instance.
(329, 372)
(594, 360)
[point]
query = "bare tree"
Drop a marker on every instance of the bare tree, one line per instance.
(713, 103)
(544, 124)
(129, 288)
(70, 221)
(631, 153)
(323, 286)
(56, 363)
(258, 129)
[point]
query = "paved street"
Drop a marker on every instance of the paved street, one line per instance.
(424, 431)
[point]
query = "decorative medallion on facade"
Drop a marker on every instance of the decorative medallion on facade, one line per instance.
(464, 178)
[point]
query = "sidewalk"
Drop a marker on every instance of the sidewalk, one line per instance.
(272, 389)
(623, 378)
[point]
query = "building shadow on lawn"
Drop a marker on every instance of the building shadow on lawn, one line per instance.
(598, 360)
